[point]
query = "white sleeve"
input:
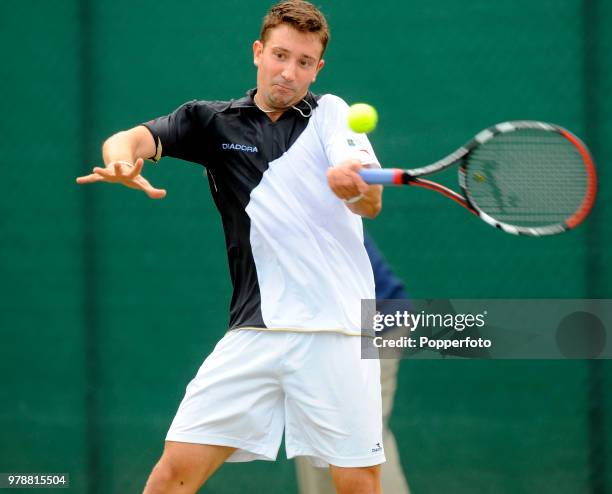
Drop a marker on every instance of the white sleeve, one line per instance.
(339, 141)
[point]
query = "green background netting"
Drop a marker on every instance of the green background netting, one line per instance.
(110, 301)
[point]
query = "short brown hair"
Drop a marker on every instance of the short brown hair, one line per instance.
(300, 15)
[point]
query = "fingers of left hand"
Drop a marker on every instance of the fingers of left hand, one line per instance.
(104, 172)
(135, 171)
(89, 179)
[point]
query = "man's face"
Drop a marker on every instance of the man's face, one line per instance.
(287, 64)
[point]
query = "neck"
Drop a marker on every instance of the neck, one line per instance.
(274, 115)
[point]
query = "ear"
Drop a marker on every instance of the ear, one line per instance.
(257, 52)
(320, 65)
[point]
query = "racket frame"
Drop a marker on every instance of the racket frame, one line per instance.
(412, 177)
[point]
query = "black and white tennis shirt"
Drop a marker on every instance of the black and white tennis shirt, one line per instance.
(296, 254)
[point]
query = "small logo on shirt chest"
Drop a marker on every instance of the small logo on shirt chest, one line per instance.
(239, 147)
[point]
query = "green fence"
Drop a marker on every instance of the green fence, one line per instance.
(110, 301)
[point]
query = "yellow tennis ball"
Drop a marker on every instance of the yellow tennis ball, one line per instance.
(362, 118)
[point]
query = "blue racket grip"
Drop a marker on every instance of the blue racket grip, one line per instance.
(382, 176)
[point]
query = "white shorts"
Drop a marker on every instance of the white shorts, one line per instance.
(314, 385)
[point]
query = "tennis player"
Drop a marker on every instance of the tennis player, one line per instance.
(282, 168)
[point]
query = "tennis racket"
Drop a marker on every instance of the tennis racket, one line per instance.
(525, 178)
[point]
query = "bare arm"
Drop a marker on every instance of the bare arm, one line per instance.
(123, 155)
(129, 145)
(360, 198)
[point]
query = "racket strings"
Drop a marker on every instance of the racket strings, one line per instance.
(527, 178)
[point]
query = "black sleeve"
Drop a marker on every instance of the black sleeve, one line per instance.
(182, 134)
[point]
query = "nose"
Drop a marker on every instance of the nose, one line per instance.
(288, 72)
